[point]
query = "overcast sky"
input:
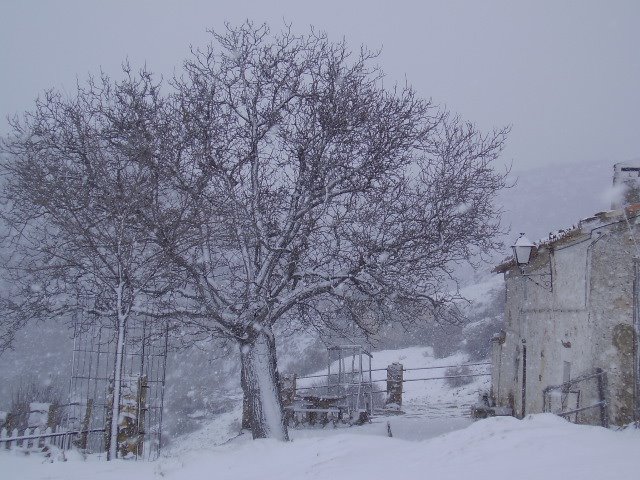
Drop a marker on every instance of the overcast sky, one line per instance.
(565, 75)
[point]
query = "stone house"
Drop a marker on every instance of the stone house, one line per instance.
(573, 311)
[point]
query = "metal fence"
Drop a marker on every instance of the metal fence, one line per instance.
(39, 438)
(142, 387)
(579, 400)
(383, 386)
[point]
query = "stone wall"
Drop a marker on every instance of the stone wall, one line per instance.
(611, 317)
(585, 322)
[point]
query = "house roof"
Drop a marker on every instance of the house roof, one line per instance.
(566, 236)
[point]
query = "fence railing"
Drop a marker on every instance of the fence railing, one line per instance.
(589, 386)
(391, 384)
(37, 438)
(438, 367)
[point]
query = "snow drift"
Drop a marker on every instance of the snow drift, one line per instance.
(540, 446)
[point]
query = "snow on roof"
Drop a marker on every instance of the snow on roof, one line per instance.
(565, 236)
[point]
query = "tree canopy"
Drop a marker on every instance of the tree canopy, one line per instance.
(276, 178)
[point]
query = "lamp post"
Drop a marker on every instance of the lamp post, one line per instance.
(522, 249)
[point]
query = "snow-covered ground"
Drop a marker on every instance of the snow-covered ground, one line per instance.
(422, 446)
(540, 446)
(445, 446)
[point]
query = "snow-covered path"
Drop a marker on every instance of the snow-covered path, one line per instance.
(540, 446)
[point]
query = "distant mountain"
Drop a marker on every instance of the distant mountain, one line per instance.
(549, 198)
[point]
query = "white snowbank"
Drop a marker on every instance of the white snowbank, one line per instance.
(541, 446)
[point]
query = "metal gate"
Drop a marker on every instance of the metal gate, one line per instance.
(395, 387)
(141, 389)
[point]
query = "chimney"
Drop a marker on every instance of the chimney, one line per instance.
(627, 176)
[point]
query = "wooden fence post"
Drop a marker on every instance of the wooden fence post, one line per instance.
(132, 407)
(394, 386)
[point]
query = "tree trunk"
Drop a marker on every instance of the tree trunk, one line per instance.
(112, 451)
(246, 410)
(261, 389)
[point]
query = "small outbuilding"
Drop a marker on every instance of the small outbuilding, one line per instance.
(572, 318)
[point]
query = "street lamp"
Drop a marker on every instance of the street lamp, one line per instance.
(522, 249)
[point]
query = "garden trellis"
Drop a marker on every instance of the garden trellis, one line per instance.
(142, 386)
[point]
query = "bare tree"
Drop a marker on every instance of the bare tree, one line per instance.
(73, 184)
(279, 182)
(298, 184)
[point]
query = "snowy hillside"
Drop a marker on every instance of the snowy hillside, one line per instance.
(428, 398)
(434, 398)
